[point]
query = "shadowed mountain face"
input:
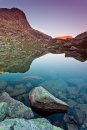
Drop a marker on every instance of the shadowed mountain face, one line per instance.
(13, 23)
(81, 36)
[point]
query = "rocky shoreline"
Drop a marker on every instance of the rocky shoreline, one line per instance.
(15, 115)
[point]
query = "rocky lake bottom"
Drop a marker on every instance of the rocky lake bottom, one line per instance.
(65, 78)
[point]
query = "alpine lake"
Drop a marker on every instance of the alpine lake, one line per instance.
(64, 75)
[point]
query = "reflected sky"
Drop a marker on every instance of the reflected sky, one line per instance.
(59, 65)
(52, 66)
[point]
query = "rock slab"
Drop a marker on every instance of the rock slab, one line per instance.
(22, 124)
(42, 100)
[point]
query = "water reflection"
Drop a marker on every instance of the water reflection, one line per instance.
(65, 78)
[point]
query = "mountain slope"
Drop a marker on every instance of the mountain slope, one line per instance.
(13, 23)
(81, 36)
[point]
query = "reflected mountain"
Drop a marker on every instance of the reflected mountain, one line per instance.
(20, 44)
(18, 58)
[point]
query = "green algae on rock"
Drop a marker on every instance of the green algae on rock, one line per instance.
(16, 109)
(42, 100)
(22, 124)
(3, 110)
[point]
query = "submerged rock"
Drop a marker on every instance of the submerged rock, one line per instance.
(82, 107)
(55, 85)
(69, 119)
(80, 115)
(22, 124)
(58, 124)
(34, 80)
(3, 85)
(71, 91)
(61, 96)
(28, 85)
(20, 86)
(3, 110)
(17, 92)
(80, 100)
(9, 89)
(42, 100)
(71, 103)
(85, 123)
(76, 81)
(71, 127)
(84, 97)
(16, 109)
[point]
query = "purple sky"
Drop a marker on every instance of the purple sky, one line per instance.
(53, 17)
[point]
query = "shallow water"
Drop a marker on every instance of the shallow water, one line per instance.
(67, 78)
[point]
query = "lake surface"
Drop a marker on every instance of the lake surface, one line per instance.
(65, 78)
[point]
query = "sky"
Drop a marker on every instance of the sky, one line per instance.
(53, 17)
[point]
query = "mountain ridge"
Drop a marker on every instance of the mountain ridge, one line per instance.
(13, 21)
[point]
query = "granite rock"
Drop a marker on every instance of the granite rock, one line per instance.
(42, 100)
(15, 108)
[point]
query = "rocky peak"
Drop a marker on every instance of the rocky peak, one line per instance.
(14, 21)
(13, 16)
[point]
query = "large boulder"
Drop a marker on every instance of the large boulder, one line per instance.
(3, 110)
(15, 108)
(22, 124)
(42, 100)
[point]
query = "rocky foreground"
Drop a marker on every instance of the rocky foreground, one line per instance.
(13, 114)
(22, 124)
(75, 96)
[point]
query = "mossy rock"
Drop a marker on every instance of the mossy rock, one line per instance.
(3, 110)
(22, 124)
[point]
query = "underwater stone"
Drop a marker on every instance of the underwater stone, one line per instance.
(22, 124)
(34, 80)
(80, 115)
(18, 92)
(71, 103)
(3, 85)
(71, 127)
(20, 86)
(9, 89)
(42, 100)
